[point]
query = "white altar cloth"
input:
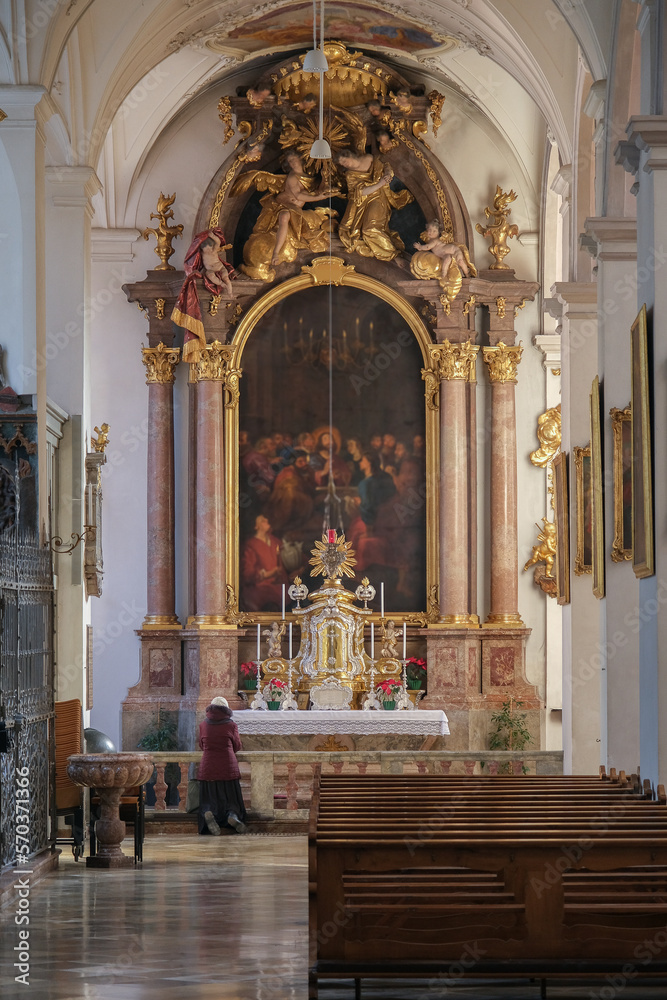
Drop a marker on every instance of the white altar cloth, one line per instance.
(418, 723)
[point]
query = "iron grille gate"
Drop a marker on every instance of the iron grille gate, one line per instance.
(26, 686)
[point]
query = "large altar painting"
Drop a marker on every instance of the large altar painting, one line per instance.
(377, 458)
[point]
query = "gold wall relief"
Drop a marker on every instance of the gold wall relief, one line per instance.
(159, 308)
(225, 116)
(500, 306)
(397, 127)
(160, 363)
(432, 389)
(549, 435)
(437, 100)
(503, 362)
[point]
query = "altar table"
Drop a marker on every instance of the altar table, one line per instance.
(416, 723)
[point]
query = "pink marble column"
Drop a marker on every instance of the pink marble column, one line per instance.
(502, 362)
(210, 592)
(160, 363)
(455, 369)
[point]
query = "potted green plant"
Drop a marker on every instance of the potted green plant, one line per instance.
(415, 672)
(248, 675)
(509, 732)
(387, 691)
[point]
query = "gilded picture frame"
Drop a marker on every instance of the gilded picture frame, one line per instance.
(621, 425)
(562, 517)
(583, 558)
(642, 476)
(597, 491)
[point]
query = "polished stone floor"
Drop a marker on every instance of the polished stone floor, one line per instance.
(202, 918)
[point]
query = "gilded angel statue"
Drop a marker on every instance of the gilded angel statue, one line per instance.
(284, 226)
(438, 258)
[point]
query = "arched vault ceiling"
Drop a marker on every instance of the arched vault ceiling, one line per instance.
(119, 43)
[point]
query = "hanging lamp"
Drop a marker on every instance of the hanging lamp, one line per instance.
(315, 61)
(320, 150)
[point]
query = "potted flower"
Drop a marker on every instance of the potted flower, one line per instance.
(387, 690)
(274, 693)
(415, 671)
(248, 672)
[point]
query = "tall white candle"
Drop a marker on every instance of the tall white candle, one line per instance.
(290, 640)
(258, 641)
(372, 641)
(283, 602)
(382, 600)
(404, 641)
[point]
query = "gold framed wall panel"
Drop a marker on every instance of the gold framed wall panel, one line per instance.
(597, 491)
(621, 425)
(562, 517)
(642, 473)
(583, 558)
(325, 271)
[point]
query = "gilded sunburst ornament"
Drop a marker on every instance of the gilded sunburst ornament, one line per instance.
(333, 559)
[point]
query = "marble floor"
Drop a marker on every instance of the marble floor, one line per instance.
(202, 918)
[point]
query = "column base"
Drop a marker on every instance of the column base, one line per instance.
(161, 622)
(457, 621)
(209, 621)
(504, 620)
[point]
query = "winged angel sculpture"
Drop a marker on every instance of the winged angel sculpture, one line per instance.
(284, 226)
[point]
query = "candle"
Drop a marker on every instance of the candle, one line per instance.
(258, 642)
(372, 641)
(404, 641)
(382, 600)
(331, 536)
(283, 602)
(290, 640)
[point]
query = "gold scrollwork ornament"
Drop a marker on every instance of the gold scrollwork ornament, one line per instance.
(503, 362)
(549, 435)
(159, 308)
(160, 363)
(437, 100)
(500, 229)
(225, 116)
(212, 364)
(164, 233)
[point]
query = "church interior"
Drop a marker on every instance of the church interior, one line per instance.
(330, 383)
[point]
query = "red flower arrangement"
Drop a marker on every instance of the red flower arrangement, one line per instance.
(389, 689)
(415, 672)
(274, 689)
(248, 672)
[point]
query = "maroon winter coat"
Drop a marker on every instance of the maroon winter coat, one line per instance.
(219, 740)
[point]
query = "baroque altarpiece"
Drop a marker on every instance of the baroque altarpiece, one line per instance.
(336, 354)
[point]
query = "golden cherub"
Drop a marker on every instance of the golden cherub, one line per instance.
(101, 441)
(546, 550)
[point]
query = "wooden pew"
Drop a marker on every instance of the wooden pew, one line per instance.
(496, 875)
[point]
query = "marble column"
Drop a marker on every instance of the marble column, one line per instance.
(210, 592)
(454, 366)
(502, 362)
(160, 363)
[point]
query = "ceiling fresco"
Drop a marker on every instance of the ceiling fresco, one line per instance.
(358, 24)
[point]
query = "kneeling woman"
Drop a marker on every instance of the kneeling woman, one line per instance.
(220, 796)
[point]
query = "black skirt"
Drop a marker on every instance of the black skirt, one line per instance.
(221, 798)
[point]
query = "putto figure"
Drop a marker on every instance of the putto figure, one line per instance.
(436, 254)
(202, 263)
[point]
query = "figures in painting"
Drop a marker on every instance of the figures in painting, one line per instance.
(364, 228)
(262, 570)
(377, 488)
(284, 226)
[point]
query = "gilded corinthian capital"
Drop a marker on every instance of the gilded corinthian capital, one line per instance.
(503, 362)
(216, 365)
(454, 361)
(160, 363)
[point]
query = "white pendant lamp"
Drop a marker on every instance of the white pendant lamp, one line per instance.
(315, 60)
(320, 150)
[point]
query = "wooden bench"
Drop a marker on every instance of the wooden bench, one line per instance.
(428, 875)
